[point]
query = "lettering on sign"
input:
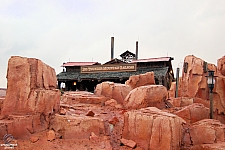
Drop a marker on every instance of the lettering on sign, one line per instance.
(108, 68)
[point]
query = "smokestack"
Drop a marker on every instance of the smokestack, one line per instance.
(136, 57)
(112, 48)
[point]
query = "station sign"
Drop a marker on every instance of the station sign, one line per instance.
(109, 68)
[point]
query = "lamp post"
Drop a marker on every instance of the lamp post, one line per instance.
(211, 82)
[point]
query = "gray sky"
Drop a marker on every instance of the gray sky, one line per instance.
(57, 31)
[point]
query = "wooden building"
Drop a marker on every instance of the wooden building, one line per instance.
(86, 75)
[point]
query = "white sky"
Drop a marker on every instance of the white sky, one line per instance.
(57, 31)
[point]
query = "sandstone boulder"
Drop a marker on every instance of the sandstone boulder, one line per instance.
(207, 131)
(111, 103)
(172, 90)
(146, 96)
(141, 80)
(193, 113)
(193, 82)
(214, 146)
(74, 97)
(181, 101)
(34, 139)
(128, 143)
(31, 97)
(50, 135)
(221, 65)
(77, 127)
(152, 128)
(23, 126)
(30, 87)
(113, 90)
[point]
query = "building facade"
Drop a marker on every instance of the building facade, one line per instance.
(86, 75)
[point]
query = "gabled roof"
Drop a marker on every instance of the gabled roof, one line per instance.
(153, 59)
(114, 61)
(127, 53)
(70, 64)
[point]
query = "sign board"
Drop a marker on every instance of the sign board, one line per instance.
(109, 68)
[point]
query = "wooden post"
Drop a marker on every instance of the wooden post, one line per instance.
(136, 56)
(177, 82)
(112, 48)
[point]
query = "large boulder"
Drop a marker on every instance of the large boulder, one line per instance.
(152, 128)
(23, 126)
(193, 82)
(146, 96)
(77, 127)
(31, 86)
(214, 146)
(141, 80)
(31, 98)
(181, 101)
(207, 131)
(113, 90)
(193, 113)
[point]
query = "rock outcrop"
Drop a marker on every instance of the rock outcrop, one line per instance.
(30, 87)
(193, 113)
(152, 128)
(207, 131)
(221, 65)
(113, 90)
(193, 83)
(82, 97)
(31, 96)
(146, 96)
(77, 127)
(141, 80)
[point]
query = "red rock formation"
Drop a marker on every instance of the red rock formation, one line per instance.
(50, 135)
(113, 90)
(82, 97)
(111, 103)
(152, 128)
(128, 143)
(31, 97)
(181, 101)
(221, 65)
(34, 139)
(207, 131)
(146, 96)
(77, 127)
(214, 146)
(30, 87)
(141, 80)
(193, 113)
(193, 83)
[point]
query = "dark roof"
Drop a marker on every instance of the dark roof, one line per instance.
(63, 76)
(69, 64)
(127, 53)
(113, 61)
(153, 59)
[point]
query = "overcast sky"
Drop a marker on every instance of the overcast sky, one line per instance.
(57, 31)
